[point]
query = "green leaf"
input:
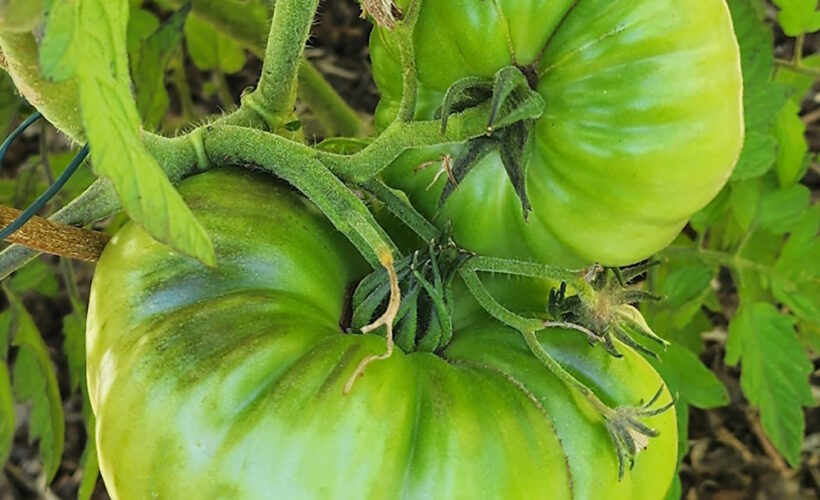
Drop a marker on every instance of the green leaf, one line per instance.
(744, 200)
(775, 373)
(758, 155)
(6, 413)
(685, 374)
(74, 344)
(713, 212)
(149, 64)
(60, 49)
(797, 17)
(781, 209)
(141, 25)
(685, 284)
(36, 381)
(210, 49)
(799, 82)
(35, 276)
(9, 102)
(113, 128)
(790, 131)
(796, 276)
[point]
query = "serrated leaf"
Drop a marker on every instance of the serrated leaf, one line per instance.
(74, 344)
(211, 50)
(713, 212)
(9, 101)
(686, 375)
(35, 381)
(113, 128)
(758, 156)
(60, 49)
(35, 276)
(685, 284)
(755, 38)
(775, 373)
(6, 413)
(799, 82)
(796, 276)
(744, 201)
(790, 131)
(141, 25)
(149, 64)
(781, 209)
(797, 17)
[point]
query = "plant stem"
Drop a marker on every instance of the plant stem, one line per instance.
(275, 96)
(407, 54)
(296, 164)
(231, 18)
(528, 328)
(401, 136)
(797, 68)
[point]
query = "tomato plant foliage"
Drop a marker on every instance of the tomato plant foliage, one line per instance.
(223, 354)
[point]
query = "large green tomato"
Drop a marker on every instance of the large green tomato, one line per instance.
(642, 126)
(228, 382)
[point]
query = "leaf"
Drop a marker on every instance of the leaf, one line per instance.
(9, 102)
(6, 413)
(775, 373)
(113, 128)
(797, 17)
(781, 209)
(790, 131)
(685, 284)
(74, 344)
(796, 276)
(211, 50)
(141, 25)
(762, 98)
(757, 157)
(35, 381)
(149, 65)
(799, 82)
(713, 212)
(35, 276)
(60, 48)
(685, 374)
(744, 200)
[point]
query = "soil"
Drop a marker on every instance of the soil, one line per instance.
(730, 457)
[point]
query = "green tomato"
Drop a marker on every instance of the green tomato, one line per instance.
(228, 382)
(642, 126)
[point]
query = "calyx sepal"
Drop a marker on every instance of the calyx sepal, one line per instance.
(605, 311)
(424, 319)
(514, 107)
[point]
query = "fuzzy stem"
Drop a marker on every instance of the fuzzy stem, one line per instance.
(231, 18)
(528, 328)
(294, 163)
(275, 96)
(407, 53)
(401, 136)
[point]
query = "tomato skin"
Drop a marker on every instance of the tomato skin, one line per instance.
(227, 382)
(642, 127)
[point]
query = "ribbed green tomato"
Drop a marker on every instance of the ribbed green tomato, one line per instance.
(228, 382)
(642, 126)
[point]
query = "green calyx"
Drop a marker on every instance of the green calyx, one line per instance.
(424, 320)
(605, 311)
(514, 107)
